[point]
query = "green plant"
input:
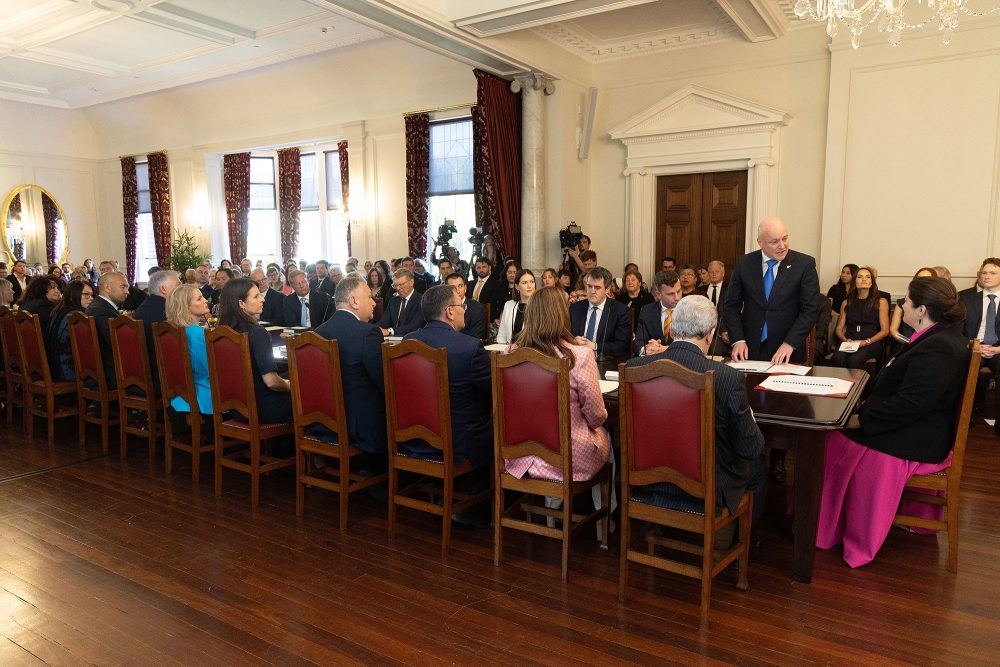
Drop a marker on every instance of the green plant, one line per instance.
(185, 254)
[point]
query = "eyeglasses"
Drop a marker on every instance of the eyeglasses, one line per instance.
(463, 306)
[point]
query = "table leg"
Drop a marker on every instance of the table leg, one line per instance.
(810, 454)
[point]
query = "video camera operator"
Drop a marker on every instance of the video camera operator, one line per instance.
(573, 241)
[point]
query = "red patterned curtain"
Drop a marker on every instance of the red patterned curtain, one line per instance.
(17, 244)
(482, 182)
(50, 212)
(159, 203)
(236, 183)
(418, 167)
(500, 151)
(289, 201)
(130, 206)
(345, 189)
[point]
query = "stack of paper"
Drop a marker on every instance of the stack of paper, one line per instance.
(767, 367)
(811, 386)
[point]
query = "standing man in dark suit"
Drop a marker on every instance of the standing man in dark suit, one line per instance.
(652, 331)
(324, 282)
(402, 315)
(18, 278)
(716, 293)
(601, 323)
(304, 307)
(154, 309)
(112, 292)
(273, 299)
(739, 445)
(475, 316)
(360, 345)
(469, 381)
(771, 306)
(982, 320)
(486, 289)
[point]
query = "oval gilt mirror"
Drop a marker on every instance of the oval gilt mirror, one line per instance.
(33, 226)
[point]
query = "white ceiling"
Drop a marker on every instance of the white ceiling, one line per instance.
(75, 53)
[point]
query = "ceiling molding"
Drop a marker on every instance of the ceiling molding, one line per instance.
(72, 61)
(593, 51)
(194, 24)
(758, 20)
(541, 12)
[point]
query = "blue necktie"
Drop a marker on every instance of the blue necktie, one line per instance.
(990, 337)
(305, 311)
(768, 284)
(592, 323)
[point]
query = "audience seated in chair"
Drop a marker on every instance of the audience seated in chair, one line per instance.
(112, 292)
(402, 314)
(153, 310)
(475, 314)
(76, 299)
(864, 319)
(652, 330)
(600, 322)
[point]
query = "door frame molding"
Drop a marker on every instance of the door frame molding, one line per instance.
(697, 130)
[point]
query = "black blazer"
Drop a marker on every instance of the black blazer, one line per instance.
(614, 330)
(319, 309)
(16, 286)
(475, 319)
(648, 327)
(972, 299)
(738, 440)
(471, 391)
(411, 319)
(41, 307)
(326, 286)
(102, 311)
(149, 312)
(493, 293)
(790, 312)
(910, 411)
(273, 307)
(361, 373)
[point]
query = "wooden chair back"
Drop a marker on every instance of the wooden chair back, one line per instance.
(667, 418)
(128, 342)
(11, 361)
(417, 399)
(230, 374)
(947, 484)
(37, 377)
(91, 383)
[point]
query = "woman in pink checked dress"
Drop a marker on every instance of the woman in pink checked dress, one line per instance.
(546, 329)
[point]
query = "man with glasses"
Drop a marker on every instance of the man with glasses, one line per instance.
(304, 307)
(475, 316)
(273, 299)
(403, 314)
(600, 323)
(469, 382)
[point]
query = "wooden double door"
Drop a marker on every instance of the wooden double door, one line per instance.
(701, 217)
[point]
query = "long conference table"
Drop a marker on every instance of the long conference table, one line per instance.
(794, 422)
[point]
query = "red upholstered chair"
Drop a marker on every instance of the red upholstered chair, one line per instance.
(136, 393)
(91, 384)
(13, 380)
(531, 418)
(668, 435)
(946, 484)
(177, 381)
(43, 397)
(418, 405)
(318, 399)
(231, 378)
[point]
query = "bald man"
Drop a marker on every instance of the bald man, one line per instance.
(112, 292)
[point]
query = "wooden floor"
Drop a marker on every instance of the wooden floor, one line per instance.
(104, 562)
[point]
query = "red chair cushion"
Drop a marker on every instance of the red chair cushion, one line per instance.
(129, 351)
(416, 397)
(315, 381)
(80, 330)
(666, 426)
(229, 371)
(530, 405)
(171, 352)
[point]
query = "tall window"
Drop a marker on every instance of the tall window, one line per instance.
(146, 243)
(451, 184)
(322, 229)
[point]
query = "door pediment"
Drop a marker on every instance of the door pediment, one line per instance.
(694, 109)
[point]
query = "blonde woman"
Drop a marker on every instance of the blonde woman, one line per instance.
(186, 308)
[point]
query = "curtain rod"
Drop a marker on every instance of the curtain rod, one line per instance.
(448, 108)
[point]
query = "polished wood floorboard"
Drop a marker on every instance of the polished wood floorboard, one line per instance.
(104, 562)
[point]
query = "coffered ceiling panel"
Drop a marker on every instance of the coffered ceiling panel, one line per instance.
(128, 42)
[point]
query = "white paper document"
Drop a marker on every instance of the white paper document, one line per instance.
(849, 346)
(496, 347)
(812, 386)
(767, 367)
(608, 386)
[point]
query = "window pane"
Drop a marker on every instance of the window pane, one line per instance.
(261, 170)
(145, 248)
(142, 176)
(310, 239)
(261, 196)
(461, 209)
(451, 158)
(310, 182)
(262, 235)
(334, 191)
(144, 204)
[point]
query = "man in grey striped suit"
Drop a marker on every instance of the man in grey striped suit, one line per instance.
(739, 445)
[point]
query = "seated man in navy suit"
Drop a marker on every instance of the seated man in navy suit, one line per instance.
(652, 330)
(402, 315)
(273, 299)
(469, 380)
(360, 345)
(304, 307)
(475, 316)
(601, 323)
(153, 310)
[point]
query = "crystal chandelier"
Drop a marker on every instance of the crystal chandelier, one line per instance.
(857, 15)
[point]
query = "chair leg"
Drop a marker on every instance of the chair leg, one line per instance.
(345, 484)
(81, 406)
(951, 515)
(254, 472)
(567, 528)
(300, 471)
(626, 536)
(122, 424)
(218, 461)
(707, 559)
(744, 562)
(153, 428)
(497, 517)
(195, 448)
(606, 521)
(449, 489)
(105, 426)
(168, 437)
(393, 482)
(50, 418)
